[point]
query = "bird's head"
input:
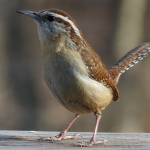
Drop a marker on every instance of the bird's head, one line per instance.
(54, 23)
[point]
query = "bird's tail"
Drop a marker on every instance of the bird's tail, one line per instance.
(127, 61)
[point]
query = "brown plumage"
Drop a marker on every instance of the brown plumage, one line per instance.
(98, 70)
(73, 70)
(129, 60)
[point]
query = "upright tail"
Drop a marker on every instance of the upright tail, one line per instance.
(127, 61)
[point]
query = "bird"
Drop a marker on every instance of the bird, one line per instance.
(74, 72)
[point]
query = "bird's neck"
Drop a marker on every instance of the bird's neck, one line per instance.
(50, 46)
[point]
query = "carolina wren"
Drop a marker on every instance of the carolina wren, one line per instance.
(74, 72)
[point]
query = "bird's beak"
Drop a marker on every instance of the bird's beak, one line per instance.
(34, 15)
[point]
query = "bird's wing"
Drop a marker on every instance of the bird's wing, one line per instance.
(98, 71)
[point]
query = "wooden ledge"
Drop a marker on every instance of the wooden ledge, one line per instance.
(30, 140)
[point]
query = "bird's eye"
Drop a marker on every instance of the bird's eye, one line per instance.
(51, 18)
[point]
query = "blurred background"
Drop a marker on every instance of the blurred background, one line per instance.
(111, 27)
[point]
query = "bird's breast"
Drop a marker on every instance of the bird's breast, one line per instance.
(68, 78)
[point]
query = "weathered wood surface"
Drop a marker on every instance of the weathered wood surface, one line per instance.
(14, 140)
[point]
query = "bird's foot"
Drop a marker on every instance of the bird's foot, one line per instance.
(60, 137)
(90, 143)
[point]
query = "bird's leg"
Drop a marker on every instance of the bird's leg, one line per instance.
(62, 135)
(93, 139)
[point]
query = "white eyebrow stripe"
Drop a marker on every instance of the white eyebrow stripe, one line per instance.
(76, 30)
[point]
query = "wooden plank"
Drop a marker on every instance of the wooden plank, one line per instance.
(30, 140)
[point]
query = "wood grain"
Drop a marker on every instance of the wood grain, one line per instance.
(30, 140)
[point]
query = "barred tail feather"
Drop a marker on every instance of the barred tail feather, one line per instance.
(129, 60)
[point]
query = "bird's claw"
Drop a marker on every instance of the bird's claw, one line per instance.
(90, 143)
(60, 137)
